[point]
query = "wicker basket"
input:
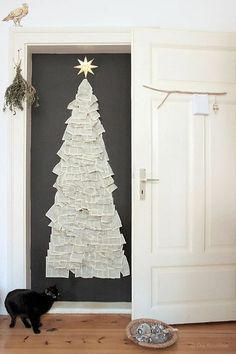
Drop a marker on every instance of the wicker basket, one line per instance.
(131, 331)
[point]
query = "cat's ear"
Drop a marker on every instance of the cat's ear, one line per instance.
(55, 289)
(48, 292)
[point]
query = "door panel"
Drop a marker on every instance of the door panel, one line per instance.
(184, 255)
(186, 64)
(221, 172)
(170, 197)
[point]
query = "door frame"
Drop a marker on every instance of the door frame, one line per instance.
(23, 43)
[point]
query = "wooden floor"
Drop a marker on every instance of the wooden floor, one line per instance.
(103, 334)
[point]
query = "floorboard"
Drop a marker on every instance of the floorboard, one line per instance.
(103, 334)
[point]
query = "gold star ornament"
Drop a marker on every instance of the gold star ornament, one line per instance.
(85, 66)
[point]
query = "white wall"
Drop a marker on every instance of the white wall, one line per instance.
(210, 15)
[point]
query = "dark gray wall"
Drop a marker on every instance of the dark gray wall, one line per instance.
(56, 82)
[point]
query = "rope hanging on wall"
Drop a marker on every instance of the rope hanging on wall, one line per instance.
(169, 92)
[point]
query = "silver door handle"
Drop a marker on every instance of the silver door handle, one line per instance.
(143, 179)
(150, 180)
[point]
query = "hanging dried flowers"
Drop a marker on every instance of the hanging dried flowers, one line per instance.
(18, 92)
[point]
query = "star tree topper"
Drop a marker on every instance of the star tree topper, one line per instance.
(85, 66)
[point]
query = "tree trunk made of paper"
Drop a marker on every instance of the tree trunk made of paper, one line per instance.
(85, 227)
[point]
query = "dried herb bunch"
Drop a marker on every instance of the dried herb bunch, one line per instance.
(19, 91)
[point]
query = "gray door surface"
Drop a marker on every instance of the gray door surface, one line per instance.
(56, 82)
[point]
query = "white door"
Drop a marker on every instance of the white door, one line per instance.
(184, 234)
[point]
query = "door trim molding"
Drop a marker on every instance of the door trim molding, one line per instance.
(45, 40)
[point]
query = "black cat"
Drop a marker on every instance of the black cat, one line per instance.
(28, 304)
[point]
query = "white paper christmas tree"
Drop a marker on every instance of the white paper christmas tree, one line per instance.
(85, 227)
